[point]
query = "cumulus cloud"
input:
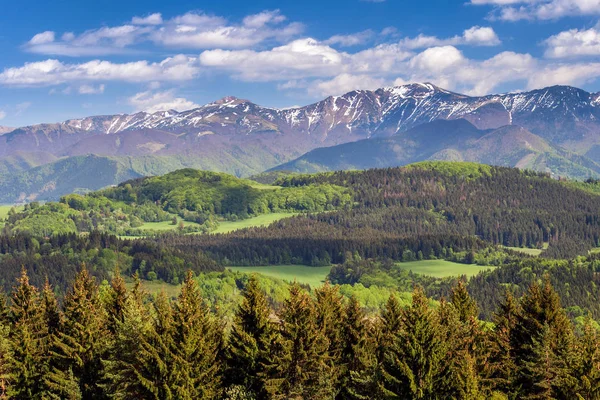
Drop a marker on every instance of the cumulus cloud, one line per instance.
(438, 59)
(2, 114)
(474, 36)
(152, 19)
(53, 72)
(351, 39)
(344, 83)
(573, 43)
(191, 30)
(160, 101)
(515, 10)
(299, 58)
(41, 38)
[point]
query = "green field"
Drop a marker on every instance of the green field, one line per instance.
(525, 250)
(442, 268)
(528, 251)
(313, 276)
(261, 220)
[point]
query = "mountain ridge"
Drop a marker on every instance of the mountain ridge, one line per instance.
(242, 138)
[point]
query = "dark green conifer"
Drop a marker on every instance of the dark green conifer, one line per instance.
(196, 343)
(78, 348)
(252, 335)
(543, 337)
(28, 333)
(501, 370)
(588, 365)
(415, 361)
(299, 367)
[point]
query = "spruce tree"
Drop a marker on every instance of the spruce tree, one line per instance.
(299, 366)
(501, 370)
(252, 335)
(142, 365)
(50, 311)
(126, 370)
(588, 365)
(117, 298)
(543, 335)
(414, 362)
(80, 345)
(465, 337)
(28, 333)
(354, 344)
(330, 320)
(197, 340)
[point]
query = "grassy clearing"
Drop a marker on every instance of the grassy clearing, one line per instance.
(261, 220)
(442, 268)
(528, 251)
(525, 250)
(313, 276)
(165, 225)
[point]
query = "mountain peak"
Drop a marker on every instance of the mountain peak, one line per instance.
(230, 101)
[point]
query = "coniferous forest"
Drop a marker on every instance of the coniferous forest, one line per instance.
(78, 319)
(116, 342)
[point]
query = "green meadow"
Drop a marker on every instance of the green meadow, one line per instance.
(313, 276)
(442, 268)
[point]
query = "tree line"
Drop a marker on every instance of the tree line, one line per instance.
(115, 342)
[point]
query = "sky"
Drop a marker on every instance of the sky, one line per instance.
(65, 59)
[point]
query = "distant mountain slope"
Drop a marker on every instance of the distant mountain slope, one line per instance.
(239, 137)
(5, 129)
(454, 140)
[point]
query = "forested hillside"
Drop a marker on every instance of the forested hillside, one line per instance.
(200, 198)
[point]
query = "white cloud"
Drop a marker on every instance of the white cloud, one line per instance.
(191, 30)
(264, 18)
(53, 72)
(160, 101)
(353, 39)
(2, 114)
(438, 59)
(344, 83)
(152, 19)
(474, 36)
(202, 31)
(41, 38)
(300, 58)
(91, 89)
(574, 42)
(515, 10)
(571, 74)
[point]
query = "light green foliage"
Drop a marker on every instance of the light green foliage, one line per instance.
(260, 220)
(442, 268)
(198, 199)
(313, 276)
(466, 169)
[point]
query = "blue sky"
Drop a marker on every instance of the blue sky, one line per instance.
(70, 58)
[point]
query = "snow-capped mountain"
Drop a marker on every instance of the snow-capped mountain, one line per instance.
(365, 113)
(240, 137)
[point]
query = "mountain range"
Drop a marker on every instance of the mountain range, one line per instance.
(556, 129)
